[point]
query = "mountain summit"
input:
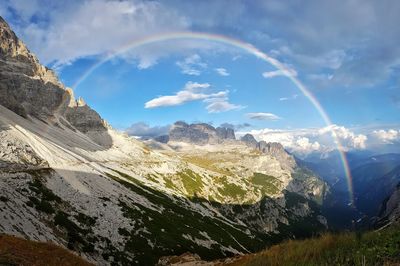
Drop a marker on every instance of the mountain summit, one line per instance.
(200, 133)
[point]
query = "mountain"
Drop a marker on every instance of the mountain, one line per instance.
(373, 183)
(200, 133)
(374, 178)
(68, 178)
(390, 210)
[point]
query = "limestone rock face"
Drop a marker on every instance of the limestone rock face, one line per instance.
(249, 140)
(276, 150)
(201, 133)
(390, 211)
(32, 90)
(393, 205)
(14, 151)
(162, 139)
(88, 121)
(225, 133)
(26, 87)
(84, 118)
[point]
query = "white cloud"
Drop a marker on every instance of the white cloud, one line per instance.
(303, 145)
(218, 105)
(222, 71)
(193, 91)
(187, 94)
(305, 141)
(67, 30)
(192, 65)
(89, 28)
(293, 97)
(346, 137)
(386, 136)
(192, 86)
(275, 73)
(263, 116)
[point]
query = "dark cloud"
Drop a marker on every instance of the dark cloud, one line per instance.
(347, 42)
(235, 126)
(353, 42)
(142, 129)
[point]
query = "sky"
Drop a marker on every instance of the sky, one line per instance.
(345, 52)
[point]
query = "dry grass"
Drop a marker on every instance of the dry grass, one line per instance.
(373, 248)
(17, 251)
(206, 163)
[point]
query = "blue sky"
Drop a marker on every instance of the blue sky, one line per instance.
(345, 52)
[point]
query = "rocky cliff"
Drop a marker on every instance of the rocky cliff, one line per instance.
(202, 133)
(199, 133)
(390, 209)
(32, 90)
(26, 87)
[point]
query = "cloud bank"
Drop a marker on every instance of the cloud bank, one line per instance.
(306, 141)
(324, 46)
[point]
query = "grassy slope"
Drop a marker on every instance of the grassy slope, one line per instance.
(17, 251)
(372, 248)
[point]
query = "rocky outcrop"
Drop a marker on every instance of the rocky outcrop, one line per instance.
(272, 148)
(390, 211)
(278, 151)
(225, 133)
(201, 133)
(162, 139)
(26, 87)
(249, 140)
(32, 90)
(88, 121)
(14, 151)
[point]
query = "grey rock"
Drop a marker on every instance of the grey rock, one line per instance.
(26, 87)
(276, 150)
(390, 211)
(200, 134)
(32, 90)
(88, 121)
(249, 140)
(225, 133)
(162, 139)
(13, 151)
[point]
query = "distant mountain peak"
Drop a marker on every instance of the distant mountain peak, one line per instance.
(200, 133)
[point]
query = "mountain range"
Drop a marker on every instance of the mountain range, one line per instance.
(67, 177)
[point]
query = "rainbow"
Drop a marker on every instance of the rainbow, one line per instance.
(241, 45)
